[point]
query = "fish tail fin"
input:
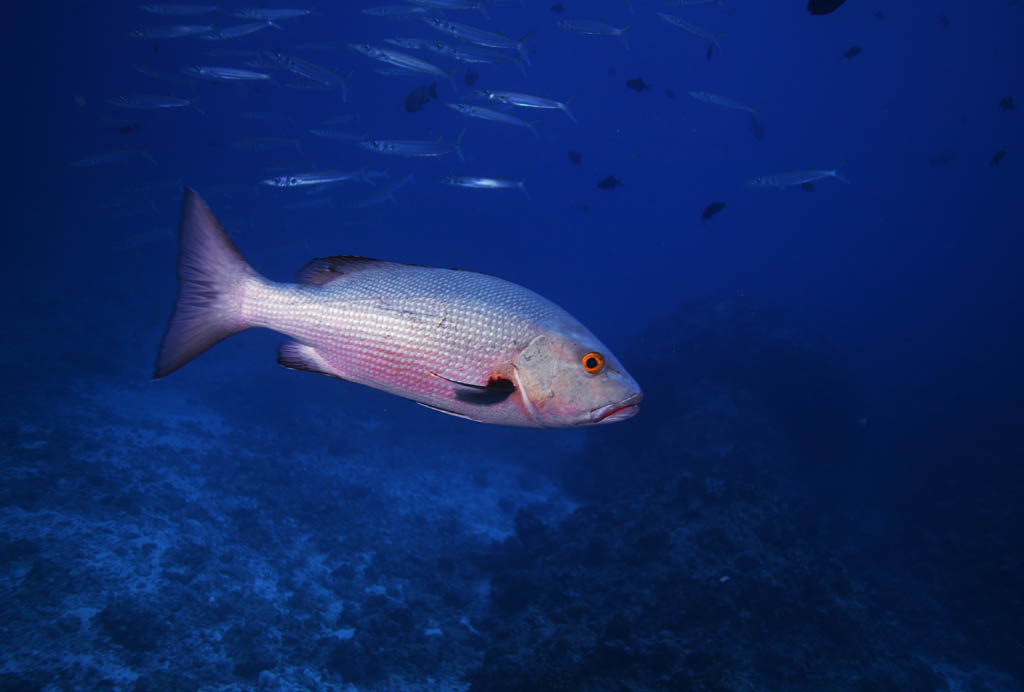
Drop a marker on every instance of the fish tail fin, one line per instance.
(533, 128)
(365, 178)
(837, 176)
(522, 186)
(483, 11)
(520, 64)
(523, 46)
(344, 85)
(458, 144)
(756, 126)
(565, 108)
(622, 35)
(275, 25)
(211, 277)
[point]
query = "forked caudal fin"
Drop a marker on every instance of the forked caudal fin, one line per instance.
(211, 277)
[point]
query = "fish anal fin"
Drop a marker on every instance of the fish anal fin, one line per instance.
(444, 410)
(324, 270)
(296, 355)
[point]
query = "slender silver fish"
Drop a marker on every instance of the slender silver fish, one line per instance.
(796, 178)
(385, 194)
(452, 5)
(116, 156)
(692, 29)
(593, 27)
(320, 178)
(178, 31)
(471, 34)
(337, 134)
(237, 31)
(178, 10)
(414, 148)
(400, 60)
(478, 183)
(311, 71)
(514, 98)
(269, 15)
(224, 74)
(398, 11)
(725, 102)
(149, 101)
(493, 116)
(467, 344)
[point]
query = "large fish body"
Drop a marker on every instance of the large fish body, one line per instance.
(463, 343)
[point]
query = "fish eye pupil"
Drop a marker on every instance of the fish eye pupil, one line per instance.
(593, 362)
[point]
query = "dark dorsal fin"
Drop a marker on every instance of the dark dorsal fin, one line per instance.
(495, 391)
(324, 270)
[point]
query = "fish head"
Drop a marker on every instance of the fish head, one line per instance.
(567, 377)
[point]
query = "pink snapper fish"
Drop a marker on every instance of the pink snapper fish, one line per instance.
(460, 342)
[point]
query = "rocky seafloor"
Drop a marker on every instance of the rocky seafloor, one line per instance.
(159, 541)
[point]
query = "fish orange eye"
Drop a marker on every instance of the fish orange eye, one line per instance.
(593, 362)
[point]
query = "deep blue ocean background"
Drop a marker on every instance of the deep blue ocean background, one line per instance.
(822, 491)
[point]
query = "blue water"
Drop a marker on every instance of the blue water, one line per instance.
(822, 490)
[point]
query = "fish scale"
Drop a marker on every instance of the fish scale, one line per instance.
(465, 343)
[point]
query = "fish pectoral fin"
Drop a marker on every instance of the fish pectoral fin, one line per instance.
(495, 391)
(296, 355)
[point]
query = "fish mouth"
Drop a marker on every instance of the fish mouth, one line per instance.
(612, 413)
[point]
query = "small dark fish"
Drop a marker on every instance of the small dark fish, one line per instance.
(576, 158)
(711, 48)
(671, 94)
(851, 52)
(942, 158)
(558, 8)
(997, 157)
(609, 183)
(807, 187)
(1006, 104)
(471, 77)
(420, 97)
(823, 6)
(944, 20)
(128, 128)
(637, 84)
(878, 14)
(711, 210)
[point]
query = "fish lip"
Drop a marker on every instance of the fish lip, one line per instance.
(621, 410)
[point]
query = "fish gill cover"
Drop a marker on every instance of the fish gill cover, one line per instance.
(798, 233)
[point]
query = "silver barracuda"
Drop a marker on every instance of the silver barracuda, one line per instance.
(400, 60)
(593, 27)
(414, 148)
(480, 37)
(492, 115)
(514, 98)
(270, 15)
(178, 10)
(692, 29)
(725, 102)
(178, 31)
(320, 178)
(478, 183)
(224, 74)
(468, 344)
(797, 178)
